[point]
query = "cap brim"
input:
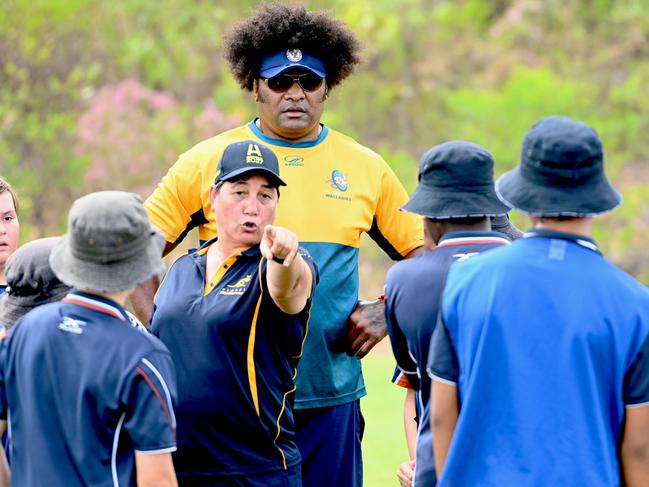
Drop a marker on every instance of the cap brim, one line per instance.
(584, 200)
(436, 204)
(276, 70)
(242, 170)
(109, 278)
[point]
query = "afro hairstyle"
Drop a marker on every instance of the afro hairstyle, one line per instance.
(275, 27)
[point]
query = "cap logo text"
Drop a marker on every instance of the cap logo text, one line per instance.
(254, 155)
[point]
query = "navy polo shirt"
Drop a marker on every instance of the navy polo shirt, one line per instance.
(413, 289)
(236, 353)
(83, 390)
(548, 343)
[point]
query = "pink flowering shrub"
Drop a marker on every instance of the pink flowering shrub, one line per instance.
(131, 135)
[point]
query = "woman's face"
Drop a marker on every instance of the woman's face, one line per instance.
(243, 209)
(9, 227)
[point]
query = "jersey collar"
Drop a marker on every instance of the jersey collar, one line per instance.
(202, 249)
(283, 143)
(97, 303)
(581, 240)
(468, 238)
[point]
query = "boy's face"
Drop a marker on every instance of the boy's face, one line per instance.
(9, 227)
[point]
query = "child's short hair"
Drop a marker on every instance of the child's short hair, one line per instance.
(5, 186)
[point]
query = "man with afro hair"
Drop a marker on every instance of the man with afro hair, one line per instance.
(290, 59)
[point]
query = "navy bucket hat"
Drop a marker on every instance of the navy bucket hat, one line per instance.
(456, 181)
(561, 172)
(31, 280)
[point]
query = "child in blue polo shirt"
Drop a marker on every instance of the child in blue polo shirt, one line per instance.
(543, 346)
(88, 397)
(456, 199)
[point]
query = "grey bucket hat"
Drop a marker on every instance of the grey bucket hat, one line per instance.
(561, 172)
(110, 245)
(31, 281)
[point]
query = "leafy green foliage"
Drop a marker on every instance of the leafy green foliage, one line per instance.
(482, 70)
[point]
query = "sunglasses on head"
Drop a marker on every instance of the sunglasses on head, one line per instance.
(283, 82)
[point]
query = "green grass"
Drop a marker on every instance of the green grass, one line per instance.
(384, 444)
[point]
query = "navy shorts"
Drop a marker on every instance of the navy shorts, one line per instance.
(329, 440)
(292, 477)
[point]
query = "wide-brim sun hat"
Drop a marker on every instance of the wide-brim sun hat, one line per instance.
(561, 172)
(110, 245)
(456, 181)
(31, 282)
(13, 307)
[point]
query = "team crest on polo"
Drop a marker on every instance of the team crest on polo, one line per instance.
(238, 288)
(294, 55)
(339, 182)
(253, 156)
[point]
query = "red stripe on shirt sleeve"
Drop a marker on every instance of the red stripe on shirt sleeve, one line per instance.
(159, 396)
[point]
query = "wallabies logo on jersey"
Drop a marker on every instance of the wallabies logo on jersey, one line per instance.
(238, 288)
(338, 181)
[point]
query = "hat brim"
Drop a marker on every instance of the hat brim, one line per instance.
(277, 70)
(267, 172)
(10, 312)
(112, 277)
(12, 308)
(583, 200)
(441, 205)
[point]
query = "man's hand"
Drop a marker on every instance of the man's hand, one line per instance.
(405, 473)
(366, 327)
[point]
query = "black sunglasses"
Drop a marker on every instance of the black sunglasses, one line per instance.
(283, 82)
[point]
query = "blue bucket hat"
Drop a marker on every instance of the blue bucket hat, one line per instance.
(456, 181)
(561, 172)
(286, 59)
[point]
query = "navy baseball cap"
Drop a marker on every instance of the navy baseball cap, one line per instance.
(456, 181)
(561, 172)
(285, 59)
(245, 156)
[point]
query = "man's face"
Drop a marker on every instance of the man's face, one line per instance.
(9, 227)
(292, 114)
(243, 209)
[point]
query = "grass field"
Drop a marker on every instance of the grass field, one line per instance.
(384, 445)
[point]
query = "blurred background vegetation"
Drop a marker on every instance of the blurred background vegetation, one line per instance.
(105, 95)
(99, 94)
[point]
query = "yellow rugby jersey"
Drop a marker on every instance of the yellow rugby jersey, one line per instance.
(336, 190)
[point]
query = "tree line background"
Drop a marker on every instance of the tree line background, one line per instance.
(105, 95)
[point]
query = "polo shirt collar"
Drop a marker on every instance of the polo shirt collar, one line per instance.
(97, 303)
(467, 238)
(285, 143)
(200, 251)
(581, 240)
